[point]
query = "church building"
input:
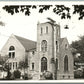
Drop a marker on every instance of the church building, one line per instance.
(50, 53)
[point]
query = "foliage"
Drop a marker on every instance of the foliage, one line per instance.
(48, 75)
(79, 9)
(78, 74)
(79, 46)
(23, 64)
(27, 76)
(6, 67)
(8, 75)
(3, 59)
(61, 10)
(17, 74)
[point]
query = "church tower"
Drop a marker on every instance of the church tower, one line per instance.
(48, 35)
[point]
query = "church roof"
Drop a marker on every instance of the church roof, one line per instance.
(28, 44)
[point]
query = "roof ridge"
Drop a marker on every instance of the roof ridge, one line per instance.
(24, 38)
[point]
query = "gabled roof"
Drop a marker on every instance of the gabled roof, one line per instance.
(28, 44)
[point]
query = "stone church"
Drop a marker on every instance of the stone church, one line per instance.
(50, 53)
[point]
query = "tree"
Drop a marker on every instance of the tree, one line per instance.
(23, 64)
(61, 10)
(79, 46)
(3, 59)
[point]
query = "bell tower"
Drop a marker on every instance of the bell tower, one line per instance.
(48, 35)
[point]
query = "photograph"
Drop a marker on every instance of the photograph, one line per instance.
(41, 40)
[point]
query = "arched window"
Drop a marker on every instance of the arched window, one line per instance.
(11, 52)
(57, 64)
(66, 63)
(11, 48)
(44, 45)
(41, 30)
(46, 29)
(43, 64)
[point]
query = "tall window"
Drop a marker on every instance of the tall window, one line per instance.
(44, 45)
(43, 64)
(56, 64)
(66, 63)
(16, 65)
(11, 52)
(57, 46)
(32, 66)
(41, 30)
(66, 46)
(46, 29)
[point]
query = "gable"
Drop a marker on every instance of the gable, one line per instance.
(12, 41)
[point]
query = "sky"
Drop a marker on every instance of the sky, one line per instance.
(26, 26)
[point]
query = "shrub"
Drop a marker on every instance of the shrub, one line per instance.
(78, 74)
(8, 77)
(27, 76)
(48, 75)
(17, 74)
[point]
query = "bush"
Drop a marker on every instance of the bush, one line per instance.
(17, 74)
(48, 75)
(8, 77)
(78, 74)
(27, 76)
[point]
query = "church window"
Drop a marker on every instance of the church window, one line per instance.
(11, 48)
(33, 52)
(66, 46)
(43, 64)
(57, 64)
(9, 55)
(66, 63)
(41, 30)
(32, 66)
(16, 65)
(46, 29)
(63, 76)
(57, 31)
(69, 77)
(57, 45)
(11, 52)
(44, 45)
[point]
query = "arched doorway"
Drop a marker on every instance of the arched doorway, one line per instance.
(43, 64)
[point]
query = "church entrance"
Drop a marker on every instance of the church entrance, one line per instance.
(43, 64)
